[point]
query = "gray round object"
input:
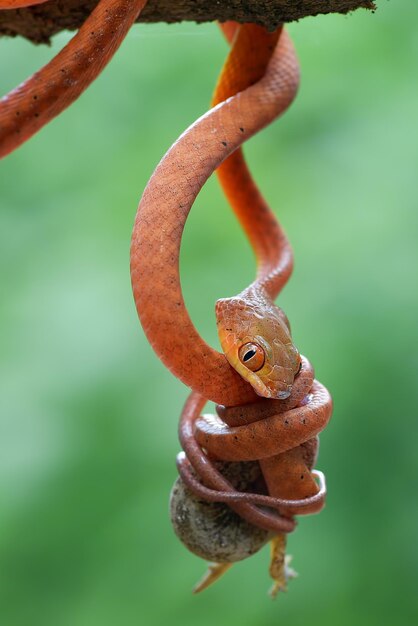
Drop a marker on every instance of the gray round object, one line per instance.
(212, 530)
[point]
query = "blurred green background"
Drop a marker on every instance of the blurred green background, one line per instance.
(89, 415)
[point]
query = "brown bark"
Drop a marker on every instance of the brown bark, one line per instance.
(39, 23)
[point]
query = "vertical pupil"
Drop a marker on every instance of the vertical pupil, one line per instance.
(249, 355)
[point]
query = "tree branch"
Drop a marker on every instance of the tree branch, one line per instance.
(41, 22)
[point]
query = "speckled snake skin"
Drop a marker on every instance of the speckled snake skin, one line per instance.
(34, 103)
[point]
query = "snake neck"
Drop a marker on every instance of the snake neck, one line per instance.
(246, 64)
(254, 332)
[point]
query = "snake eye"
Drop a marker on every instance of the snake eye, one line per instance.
(252, 356)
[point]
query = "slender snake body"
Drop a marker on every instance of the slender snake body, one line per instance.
(19, 4)
(48, 92)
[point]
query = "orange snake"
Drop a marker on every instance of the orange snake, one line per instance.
(19, 4)
(258, 83)
(47, 93)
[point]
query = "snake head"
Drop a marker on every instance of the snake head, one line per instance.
(255, 337)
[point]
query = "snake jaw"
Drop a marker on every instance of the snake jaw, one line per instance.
(262, 389)
(255, 381)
